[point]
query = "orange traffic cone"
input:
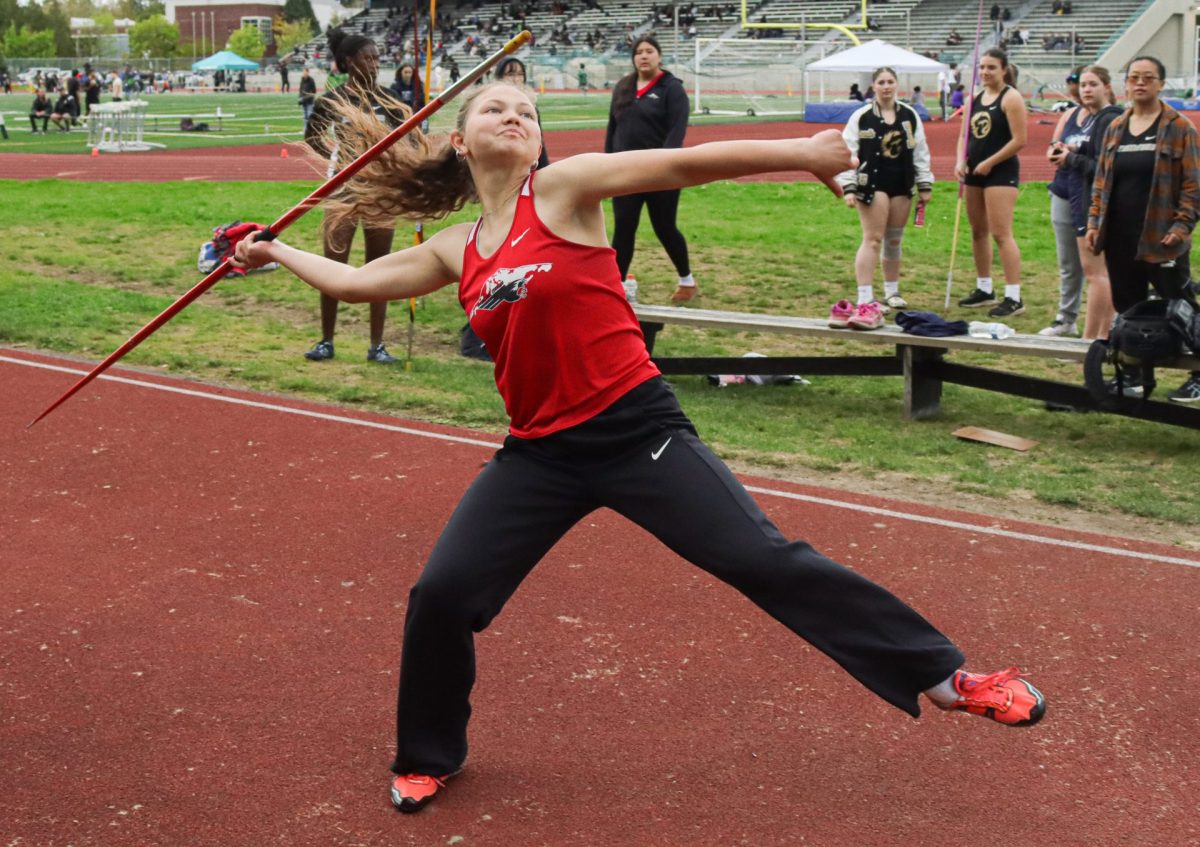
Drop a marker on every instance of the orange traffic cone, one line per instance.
(95, 152)
(283, 154)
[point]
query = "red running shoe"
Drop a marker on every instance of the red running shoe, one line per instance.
(414, 791)
(1004, 696)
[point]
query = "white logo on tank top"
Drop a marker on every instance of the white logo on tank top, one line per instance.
(507, 285)
(513, 243)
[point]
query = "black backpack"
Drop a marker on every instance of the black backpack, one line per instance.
(1149, 333)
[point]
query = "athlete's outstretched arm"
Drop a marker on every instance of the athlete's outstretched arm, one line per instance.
(595, 176)
(407, 273)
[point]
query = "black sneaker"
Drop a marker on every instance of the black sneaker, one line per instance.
(977, 298)
(1131, 386)
(1008, 308)
(381, 355)
(1188, 393)
(321, 351)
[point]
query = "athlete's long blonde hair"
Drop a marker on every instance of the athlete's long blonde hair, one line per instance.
(418, 178)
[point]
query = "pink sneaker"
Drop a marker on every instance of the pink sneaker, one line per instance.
(840, 314)
(866, 316)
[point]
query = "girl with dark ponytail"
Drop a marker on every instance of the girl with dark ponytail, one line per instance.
(331, 136)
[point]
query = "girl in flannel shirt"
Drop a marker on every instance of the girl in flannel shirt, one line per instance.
(1145, 199)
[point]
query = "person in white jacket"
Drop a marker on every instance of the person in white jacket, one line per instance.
(889, 140)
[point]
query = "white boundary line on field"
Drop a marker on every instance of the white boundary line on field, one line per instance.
(771, 492)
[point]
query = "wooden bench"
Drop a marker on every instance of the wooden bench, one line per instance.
(920, 360)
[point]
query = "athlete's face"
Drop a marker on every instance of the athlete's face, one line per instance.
(1092, 92)
(991, 72)
(500, 127)
(364, 65)
(1142, 82)
(885, 87)
(647, 60)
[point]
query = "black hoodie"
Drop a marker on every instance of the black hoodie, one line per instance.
(656, 119)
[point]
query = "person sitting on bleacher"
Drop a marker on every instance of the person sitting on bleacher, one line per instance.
(64, 112)
(40, 109)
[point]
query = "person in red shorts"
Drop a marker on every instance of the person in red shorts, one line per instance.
(593, 424)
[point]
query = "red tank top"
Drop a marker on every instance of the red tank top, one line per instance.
(554, 317)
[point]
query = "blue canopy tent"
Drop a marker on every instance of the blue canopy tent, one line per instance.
(225, 60)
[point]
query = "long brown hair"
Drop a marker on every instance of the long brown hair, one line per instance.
(418, 178)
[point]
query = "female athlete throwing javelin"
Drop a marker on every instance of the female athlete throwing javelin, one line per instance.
(592, 422)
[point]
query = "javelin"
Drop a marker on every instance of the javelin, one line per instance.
(297, 211)
(970, 101)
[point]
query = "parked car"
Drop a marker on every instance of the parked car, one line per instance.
(27, 77)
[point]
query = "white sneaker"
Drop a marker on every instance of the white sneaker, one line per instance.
(1060, 329)
(897, 302)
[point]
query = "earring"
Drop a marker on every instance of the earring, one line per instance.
(460, 155)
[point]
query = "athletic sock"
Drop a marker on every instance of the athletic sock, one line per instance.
(688, 281)
(944, 693)
(866, 293)
(984, 284)
(1013, 292)
(890, 288)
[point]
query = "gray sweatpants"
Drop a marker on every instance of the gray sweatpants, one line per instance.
(1070, 269)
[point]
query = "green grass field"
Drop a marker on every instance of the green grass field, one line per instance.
(270, 119)
(86, 264)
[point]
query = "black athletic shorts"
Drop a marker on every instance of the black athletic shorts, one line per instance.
(1007, 173)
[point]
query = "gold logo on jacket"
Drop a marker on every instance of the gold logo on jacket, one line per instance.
(893, 142)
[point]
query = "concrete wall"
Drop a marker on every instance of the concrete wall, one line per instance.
(1166, 31)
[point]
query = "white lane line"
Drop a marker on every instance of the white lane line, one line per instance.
(771, 492)
(237, 401)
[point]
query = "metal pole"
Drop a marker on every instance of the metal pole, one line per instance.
(908, 28)
(677, 33)
(1196, 61)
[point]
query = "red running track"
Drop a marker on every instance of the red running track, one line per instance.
(264, 162)
(203, 597)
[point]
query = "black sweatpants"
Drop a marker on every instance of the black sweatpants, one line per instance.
(1131, 278)
(663, 207)
(670, 484)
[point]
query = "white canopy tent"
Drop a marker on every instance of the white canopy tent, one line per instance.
(876, 54)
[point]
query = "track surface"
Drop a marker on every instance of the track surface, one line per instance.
(265, 163)
(201, 621)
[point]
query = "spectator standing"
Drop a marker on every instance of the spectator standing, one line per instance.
(917, 101)
(308, 94)
(91, 91)
(855, 94)
(1078, 159)
(894, 163)
(407, 87)
(1073, 126)
(1145, 199)
(117, 86)
(649, 110)
(285, 86)
(582, 78)
(992, 174)
(358, 58)
(41, 109)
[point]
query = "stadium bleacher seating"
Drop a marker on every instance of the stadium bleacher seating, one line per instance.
(563, 28)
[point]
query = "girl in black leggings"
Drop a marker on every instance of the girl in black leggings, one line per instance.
(649, 111)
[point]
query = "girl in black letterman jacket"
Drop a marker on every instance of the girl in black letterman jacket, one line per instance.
(889, 140)
(649, 111)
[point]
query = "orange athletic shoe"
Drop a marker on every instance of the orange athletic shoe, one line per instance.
(1004, 696)
(414, 791)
